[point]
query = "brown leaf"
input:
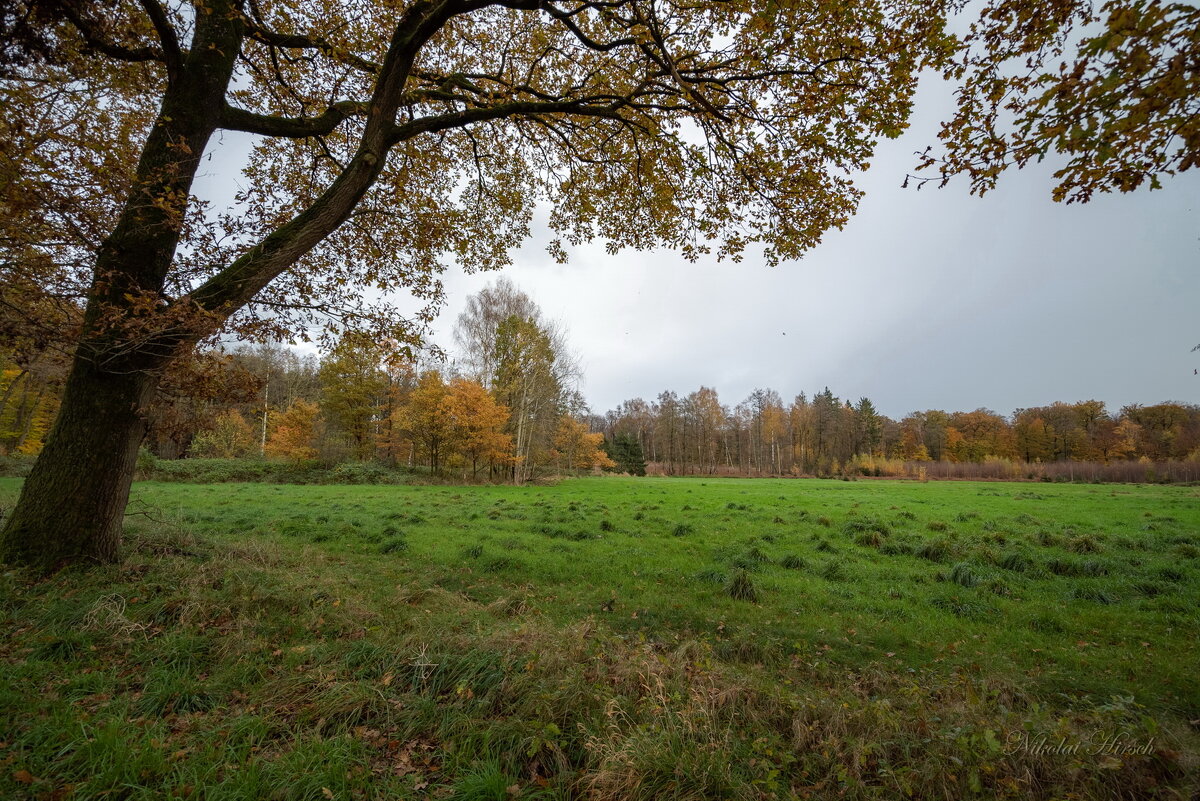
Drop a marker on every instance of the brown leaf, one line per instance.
(23, 777)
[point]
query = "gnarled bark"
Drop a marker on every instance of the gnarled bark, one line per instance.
(73, 502)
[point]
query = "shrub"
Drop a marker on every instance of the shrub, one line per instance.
(147, 462)
(358, 473)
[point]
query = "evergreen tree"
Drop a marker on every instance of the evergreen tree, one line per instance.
(626, 451)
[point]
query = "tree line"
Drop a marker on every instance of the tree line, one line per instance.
(827, 435)
(507, 407)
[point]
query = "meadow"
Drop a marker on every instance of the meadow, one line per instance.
(616, 638)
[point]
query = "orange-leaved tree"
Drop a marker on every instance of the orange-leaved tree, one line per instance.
(578, 448)
(476, 423)
(295, 433)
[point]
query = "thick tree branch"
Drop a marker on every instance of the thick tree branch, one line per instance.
(94, 40)
(172, 52)
(236, 119)
(237, 284)
(565, 18)
(459, 119)
(293, 41)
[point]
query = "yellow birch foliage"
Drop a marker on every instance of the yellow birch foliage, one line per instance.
(578, 448)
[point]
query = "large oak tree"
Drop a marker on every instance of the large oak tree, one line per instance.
(392, 135)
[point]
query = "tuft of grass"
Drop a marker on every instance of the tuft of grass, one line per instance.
(741, 587)
(712, 575)
(896, 547)
(1046, 623)
(870, 539)
(832, 571)
(964, 575)
(1148, 589)
(1097, 594)
(967, 608)
(865, 524)
(935, 550)
(487, 781)
(394, 545)
(792, 562)
(499, 564)
(1084, 543)
(1015, 561)
(682, 530)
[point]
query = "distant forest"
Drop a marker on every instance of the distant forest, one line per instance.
(507, 408)
(349, 407)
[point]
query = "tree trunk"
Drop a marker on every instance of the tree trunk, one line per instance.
(73, 503)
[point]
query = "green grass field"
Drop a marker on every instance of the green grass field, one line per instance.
(617, 638)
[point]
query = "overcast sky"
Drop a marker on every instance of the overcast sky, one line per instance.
(927, 300)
